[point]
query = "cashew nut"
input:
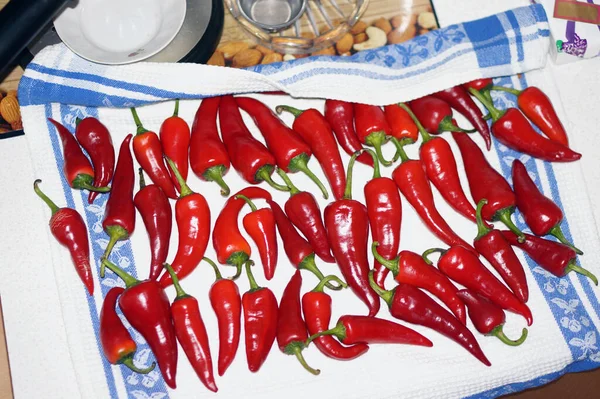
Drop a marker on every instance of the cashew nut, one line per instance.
(377, 38)
(288, 57)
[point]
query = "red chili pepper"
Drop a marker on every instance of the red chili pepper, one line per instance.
(249, 157)
(412, 181)
(226, 302)
(117, 344)
(229, 244)
(373, 129)
(466, 269)
(486, 182)
(153, 205)
(193, 226)
(146, 306)
(297, 249)
(68, 227)
(208, 156)
(291, 329)
(479, 84)
(384, 208)
(458, 98)
(191, 333)
(175, 140)
(410, 304)
(77, 168)
(119, 215)
(410, 268)
(303, 211)
(260, 321)
(316, 307)
(95, 139)
(316, 132)
(488, 318)
(260, 225)
(347, 224)
(552, 256)
(148, 151)
(497, 250)
(512, 129)
(541, 214)
(291, 152)
(340, 115)
(536, 106)
(435, 115)
(401, 124)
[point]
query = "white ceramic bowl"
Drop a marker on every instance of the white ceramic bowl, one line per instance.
(120, 31)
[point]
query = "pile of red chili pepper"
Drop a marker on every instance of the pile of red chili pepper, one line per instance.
(477, 278)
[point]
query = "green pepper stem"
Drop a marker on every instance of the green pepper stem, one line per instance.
(128, 362)
(178, 290)
(487, 103)
(300, 164)
(77, 121)
(578, 269)
(447, 125)
(53, 207)
(293, 189)
(391, 264)
(376, 140)
(386, 295)
(294, 111)
(138, 123)
(184, 189)
(115, 233)
(264, 174)
(142, 180)
(215, 268)
(248, 201)
(253, 285)
(506, 89)
(482, 229)
(323, 283)
(86, 182)
(339, 331)
(176, 112)
(237, 259)
(295, 348)
(400, 153)
(215, 173)
(348, 190)
(127, 278)
(308, 263)
(504, 217)
(376, 169)
(424, 133)
(558, 233)
(497, 332)
(431, 251)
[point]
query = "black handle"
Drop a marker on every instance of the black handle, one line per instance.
(22, 20)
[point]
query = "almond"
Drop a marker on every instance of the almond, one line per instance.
(272, 57)
(230, 49)
(246, 58)
(361, 37)
(398, 36)
(358, 27)
(216, 59)
(264, 50)
(403, 20)
(384, 25)
(344, 45)
(325, 51)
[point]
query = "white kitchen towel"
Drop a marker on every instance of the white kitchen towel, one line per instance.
(566, 324)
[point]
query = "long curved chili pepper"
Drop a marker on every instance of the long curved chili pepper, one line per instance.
(410, 268)
(488, 318)
(401, 124)
(229, 244)
(486, 182)
(551, 256)
(291, 329)
(497, 250)
(146, 306)
(191, 333)
(316, 307)
(260, 321)
(193, 226)
(249, 157)
(260, 226)
(297, 249)
(412, 181)
(117, 344)
(208, 156)
(303, 211)
(373, 129)
(347, 224)
(410, 304)
(153, 205)
(316, 132)
(538, 108)
(435, 115)
(466, 269)
(95, 139)
(372, 330)
(340, 116)
(291, 152)
(384, 207)
(226, 302)
(541, 214)
(68, 227)
(479, 84)
(175, 140)
(77, 168)
(458, 98)
(512, 129)
(148, 151)
(119, 214)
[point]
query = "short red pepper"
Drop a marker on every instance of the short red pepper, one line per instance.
(401, 124)
(435, 115)
(372, 128)
(175, 140)
(479, 84)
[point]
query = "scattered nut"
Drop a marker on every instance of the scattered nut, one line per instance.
(264, 50)
(383, 24)
(344, 45)
(398, 36)
(307, 35)
(376, 38)
(426, 20)
(346, 54)
(403, 20)
(216, 59)
(246, 58)
(325, 51)
(230, 49)
(361, 37)
(288, 57)
(358, 27)
(272, 57)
